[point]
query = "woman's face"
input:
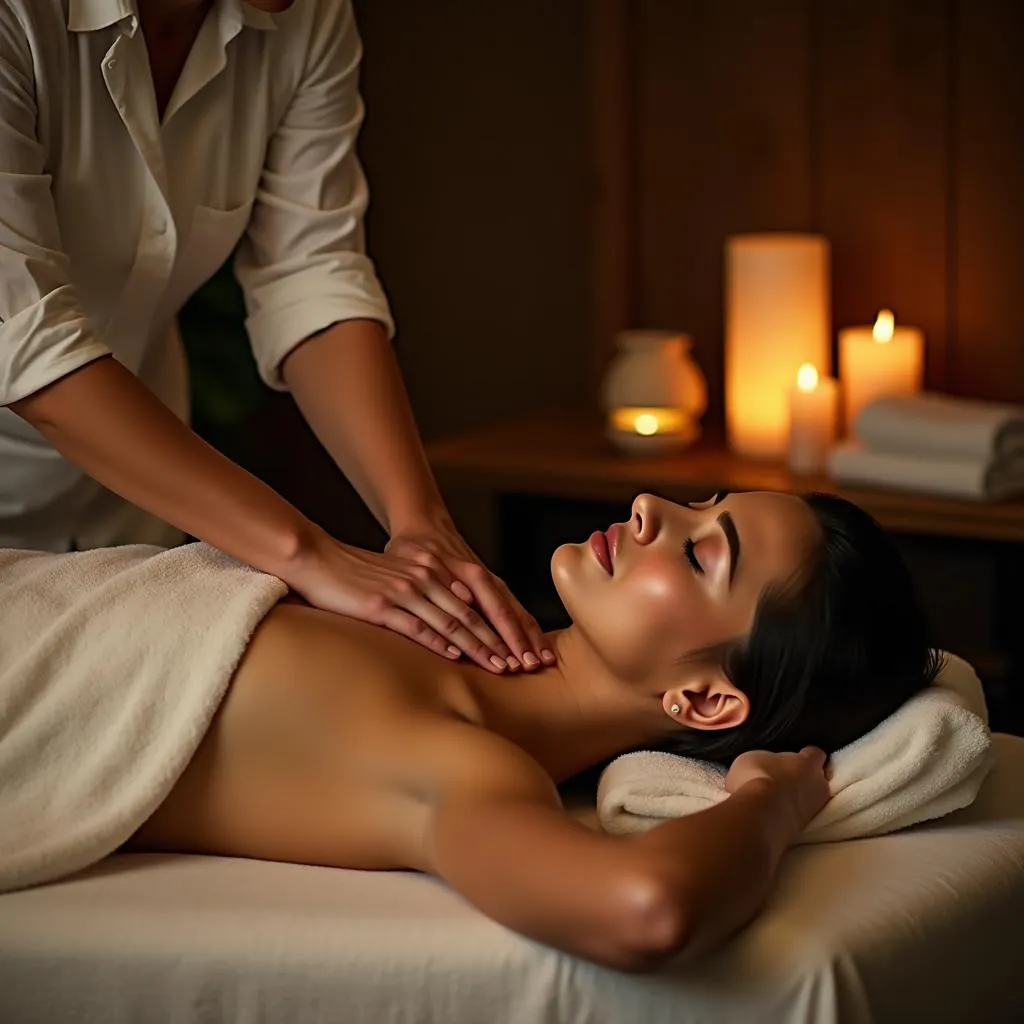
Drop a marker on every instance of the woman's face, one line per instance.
(676, 579)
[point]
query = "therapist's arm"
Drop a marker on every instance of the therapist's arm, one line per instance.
(347, 382)
(109, 423)
(319, 324)
(105, 420)
(348, 385)
(56, 372)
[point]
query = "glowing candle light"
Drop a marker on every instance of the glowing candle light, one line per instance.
(648, 421)
(653, 393)
(777, 317)
(812, 420)
(884, 359)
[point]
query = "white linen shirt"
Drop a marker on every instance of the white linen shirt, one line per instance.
(111, 218)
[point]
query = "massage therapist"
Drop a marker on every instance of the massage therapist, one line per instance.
(140, 141)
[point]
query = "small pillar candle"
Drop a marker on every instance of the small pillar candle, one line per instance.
(877, 361)
(812, 420)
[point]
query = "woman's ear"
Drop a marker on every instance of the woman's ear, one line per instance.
(707, 701)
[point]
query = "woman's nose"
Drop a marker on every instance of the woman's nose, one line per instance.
(646, 518)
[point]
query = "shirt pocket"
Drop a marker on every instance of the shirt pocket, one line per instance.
(211, 239)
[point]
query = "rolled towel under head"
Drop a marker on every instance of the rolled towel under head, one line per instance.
(928, 759)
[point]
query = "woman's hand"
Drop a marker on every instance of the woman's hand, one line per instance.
(799, 779)
(398, 593)
(442, 551)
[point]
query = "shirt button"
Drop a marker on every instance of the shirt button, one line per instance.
(111, 64)
(160, 226)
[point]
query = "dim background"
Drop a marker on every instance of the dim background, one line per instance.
(545, 172)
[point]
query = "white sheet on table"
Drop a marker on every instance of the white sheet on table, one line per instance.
(921, 925)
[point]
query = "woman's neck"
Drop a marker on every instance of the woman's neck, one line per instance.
(570, 716)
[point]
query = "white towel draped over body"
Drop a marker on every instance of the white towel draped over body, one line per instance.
(926, 760)
(112, 665)
(936, 444)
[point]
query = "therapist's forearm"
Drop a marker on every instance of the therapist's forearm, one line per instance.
(348, 385)
(109, 423)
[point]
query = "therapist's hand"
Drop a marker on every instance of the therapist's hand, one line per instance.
(440, 549)
(407, 596)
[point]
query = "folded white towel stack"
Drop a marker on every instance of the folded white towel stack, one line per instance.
(926, 760)
(943, 427)
(936, 444)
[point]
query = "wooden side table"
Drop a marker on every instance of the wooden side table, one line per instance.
(565, 454)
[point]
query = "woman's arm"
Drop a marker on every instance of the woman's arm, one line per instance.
(632, 903)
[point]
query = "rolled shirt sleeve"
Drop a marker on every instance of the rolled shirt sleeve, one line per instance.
(302, 264)
(44, 333)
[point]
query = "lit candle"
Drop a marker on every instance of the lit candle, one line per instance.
(653, 392)
(651, 428)
(777, 317)
(812, 420)
(877, 361)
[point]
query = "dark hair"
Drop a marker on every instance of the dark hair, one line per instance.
(831, 653)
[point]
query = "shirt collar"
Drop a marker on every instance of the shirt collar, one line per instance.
(253, 17)
(92, 15)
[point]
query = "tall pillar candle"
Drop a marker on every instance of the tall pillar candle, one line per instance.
(874, 362)
(777, 317)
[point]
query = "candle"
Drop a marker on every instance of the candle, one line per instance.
(653, 392)
(812, 420)
(885, 359)
(651, 429)
(777, 318)
(648, 421)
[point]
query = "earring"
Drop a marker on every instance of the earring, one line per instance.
(675, 709)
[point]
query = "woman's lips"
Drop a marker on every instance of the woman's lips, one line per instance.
(613, 533)
(599, 545)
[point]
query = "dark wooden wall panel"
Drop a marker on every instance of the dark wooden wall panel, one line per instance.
(612, 152)
(988, 115)
(723, 145)
(882, 175)
(476, 147)
(542, 173)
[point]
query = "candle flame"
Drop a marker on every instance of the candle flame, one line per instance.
(807, 377)
(646, 424)
(885, 326)
(648, 420)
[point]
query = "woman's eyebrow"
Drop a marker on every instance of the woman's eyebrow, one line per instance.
(725, 521)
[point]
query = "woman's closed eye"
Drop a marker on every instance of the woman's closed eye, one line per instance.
(691, 556)
(702, 506)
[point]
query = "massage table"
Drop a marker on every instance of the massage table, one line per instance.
(924, 925)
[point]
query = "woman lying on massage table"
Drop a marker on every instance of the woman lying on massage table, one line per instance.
(751, 621)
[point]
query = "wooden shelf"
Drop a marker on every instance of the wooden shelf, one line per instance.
(565, 454)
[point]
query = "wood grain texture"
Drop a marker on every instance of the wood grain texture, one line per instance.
(881, 168)
(613, 242)
(723, 146)
(988, 116)
(476, 149)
